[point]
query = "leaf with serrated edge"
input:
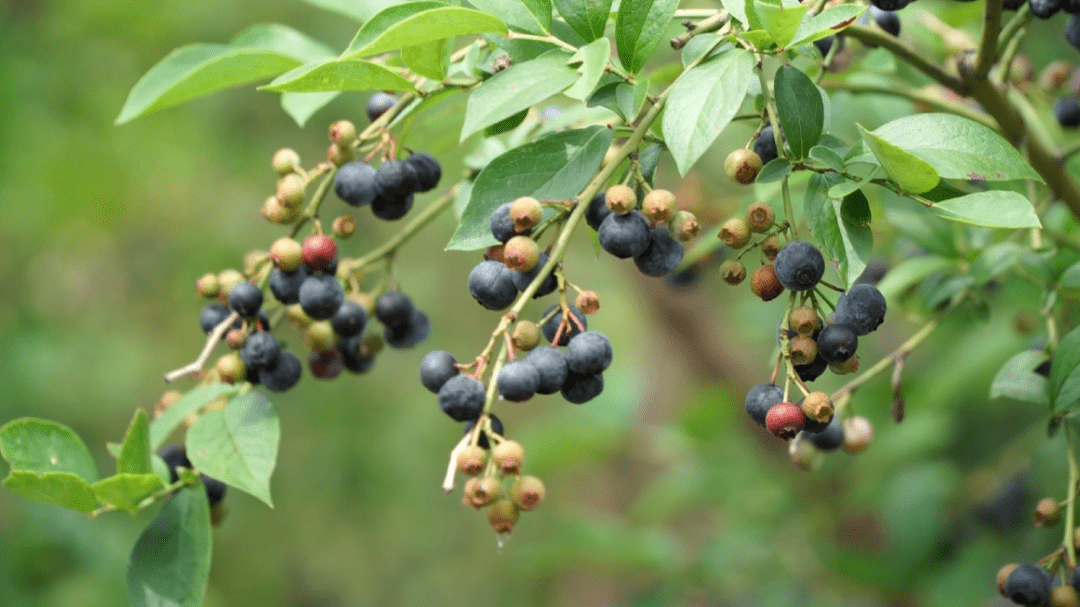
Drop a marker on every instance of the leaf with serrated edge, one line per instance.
(517, 88)
(416, 23)
(910, 172)
(170, 563)
(990, 209)
(39, 445)
(62, 489)
(639, 27)
(586, 17)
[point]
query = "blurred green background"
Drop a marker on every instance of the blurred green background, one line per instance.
(660, 492)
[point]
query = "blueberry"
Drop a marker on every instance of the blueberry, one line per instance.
(393, 308)
(395, 180)
(355, 183)
(1013, 5)
(624, 235)
(799, 266)
(436, 368)
(517, 381)
(1044, 9)
(823, 45)
(588, 353)
(886, 20)
(1075, 580)
(285, 286)
(284, 374)
(862, 308)
(409, 334)
(1067, 111)
(482, 440)
(215, 490)
(597, 211)
(765, 144)
(550, 365)
(391, 209)
(378, 104)
(837, 343)
(212, 315)
(261, 350)
(427, 169)
(1028, 585)
(502, 227)
(1044, 367)
(551, 327)
(890, 5)
(523, 279)
(830, 438)
(812, 370)
(580, 389)
(462, 398)
(1072, 31)
(175, 457)
(491, 283)
(352, 358)
(349, 319)
(662, 255)
(320, 296)
(760, 399)
(812, 426)
(246, 299)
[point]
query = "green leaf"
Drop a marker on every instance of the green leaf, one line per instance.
(593, 58)
(899, 279)
(1065, 373)
(555, 167)
(777, 169)
(163, 426)
(737, 10)
(238, 445)
(430, 59)
(800, 109)
(957, 147)
(416, 23)
(530, 16)
(990, 209)
(639, 28)
(125, 491)
(587, 17)
(301, 106)
(358, 11)
(995, 259)
(842, 227)
(259, 52)
(170, 563)
(828, 22)
(781, 22)
(134, 454)
(702, 102)
(338, 75)
(39, 445)
(62, 489)
(1070, 278)
(517, 88)
(908, 171)
(827, 157)
(1018, 380)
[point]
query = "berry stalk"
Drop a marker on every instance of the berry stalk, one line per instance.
(899, 353)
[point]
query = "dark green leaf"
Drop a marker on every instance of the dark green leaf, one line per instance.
(607, 95)
(587, 17)
(338, 75)
(301, 106)
(1070, 278)
(416, 23)
(530, 16)
(702, 102)
(517, 88)
(908, 171)
(125, 491)
(170, 563)
(827, 157)
(39, 445)
(258, 52)
(430, 59)
(639, 28)
(990, 209)
(839, 226)
(162, 427)
(649, 159)
(781, 22)
(593, 58)
(134, 454)
(555, 167)
(238, 445)
(1017, 379)
(62, 489)
(506, 124)
(800, 109)
(1065, 373)
(777, 169)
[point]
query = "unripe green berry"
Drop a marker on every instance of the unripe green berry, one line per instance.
(285, 161)
(733, 271)
(804, 320)
(683, 226)
(320, 336)
(227, 279)
(521, 253)
(659, 206)
(858, 434)
(526, 335)
(803, 453)
(588, 302)
(296, 315)
(621, 199)
(290, 190)
(818, 407)
(371, 345)
(735, 233)
(527, 493)
(343, 133)
(1047, 512)
(508, 456)
(503, 515)
(235, 339)
(481, 491)
(338, 155)
(760, 217)
(344, 226)
(526, 213)
(231, 368)
(803, 350)
(471, 460)
(765, 284)
(207, 285)
(850, 365)
(277, 213)
(252, 261)
(742, 166)
(770, 247)
(286, 253)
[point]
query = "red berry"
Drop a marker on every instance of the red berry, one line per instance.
(319, 251)
(785, 420)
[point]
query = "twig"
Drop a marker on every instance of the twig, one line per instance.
(211, 341)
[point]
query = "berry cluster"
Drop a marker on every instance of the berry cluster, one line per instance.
(390, 189)
(652, 236)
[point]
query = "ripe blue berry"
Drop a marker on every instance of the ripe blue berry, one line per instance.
(409, 334)
(551, 327)
(1028, 585)
(285, 286)
(588, 353)
(261, 350)
(349, 319)
(215, 490)
(355, 183)
(378, 104)
(517, 381)
(830, 438)
(624, 235)
(436, 368)
(175, 457)
(890, 5)
(393, 308)
(837, 343)
(760, 399)
(886, 20)
(862, 308)
(765, 144)
(502, 225)
(211, 316)
(1067, 111)
(1072, 31)
(395, 180)
(1013, 5)
(799, 266)
(482, 440)
(523, 279)
(1044, 9)
(246, 299)
(662, 255)
(391, 209)
(427, 169)
(580, 389)
(823, 45)
(283, 374)
(597, 211)
(813, 370)
(352, 356)
(320, 296)
(462, 398)
(551, 369)
(491, 284)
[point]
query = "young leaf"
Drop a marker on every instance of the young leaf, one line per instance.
(134, 454)
(517, 88)
(162, 427)
(555, 167)
(800, 109)
(529, 16)
(1065, 373)
(587, 17)
(125, 491)
(593, 58)
(38, 445)
(62, 489)
(416, 23)
(639, 28)
(301, 106)
(990, 209)
(910, 172)
(238, 445)
(430, 59)
(781, 22)
(703, 102)
(170, 563)
(259, 52)
(338, 75)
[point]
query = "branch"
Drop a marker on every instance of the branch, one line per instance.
(916, 95)
(710, 24)
(211, 341)
(988, 45)
(884, 39)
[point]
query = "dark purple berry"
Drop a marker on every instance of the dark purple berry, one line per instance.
(890, 5)
(862, 308)
(765, 144)
(215, 490)
(393, 308)
(1067, 111)
(320, 296)
(436, 368)
(212, 315)
(355, 183)
(580, 389)
(285, 286)
(246, 299)
(502, 226)
(391, 209)
(175, 457)
(551, 327)
(597, 211)
(886, 20)
(427, 169)
(349, 319)
(760, 399)
(261, 350)
(491, 284)
(407, 335)
(837, 343)
(1044, 9)
(550, 365)
(284, 374)
(799, 266)
(830, 438)
(517, 381)
(1028, 585)
(352, 357)
(588, 353)
(462, 398)
(523, 279)
(378, 104)
(812, 370)
(1013, 5)
(1072, 31)
(662, 255)
(624, 235)
(395, 180)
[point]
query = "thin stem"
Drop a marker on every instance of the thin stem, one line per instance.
(709, 24)
(419, 221)
(549, 39)
(897, 354)
(148, 501)
(1070, 497)
(1018, 22)
(211, 341)
(312, 209)
(694, 13)
(789, 210)
(903, 52)
(988, 44)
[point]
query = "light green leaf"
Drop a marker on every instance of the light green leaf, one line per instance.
(702, 102)
(828, 22)
(517, 88)
(1065, 373)
(777, 169)
(908, 171)
(781, 22)
(302, 106)
(841, 226)
(593, 58)
(39, 445)
(899, 279)
(1017, 379)
(430, 60)
(134, 454)
(415, 23)
(800, 109)
(163, 426)
(338, 75)
(125, 491)
(737, 10)
(238, 445)
(357, 11)
(586, 17)
(529, 16)
(62, 489)
(639, 28)
(259, 52)
(555, 167)
(1070, 278)
(995, 259)
(827, 157)
(170, 563)
(990, 209)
